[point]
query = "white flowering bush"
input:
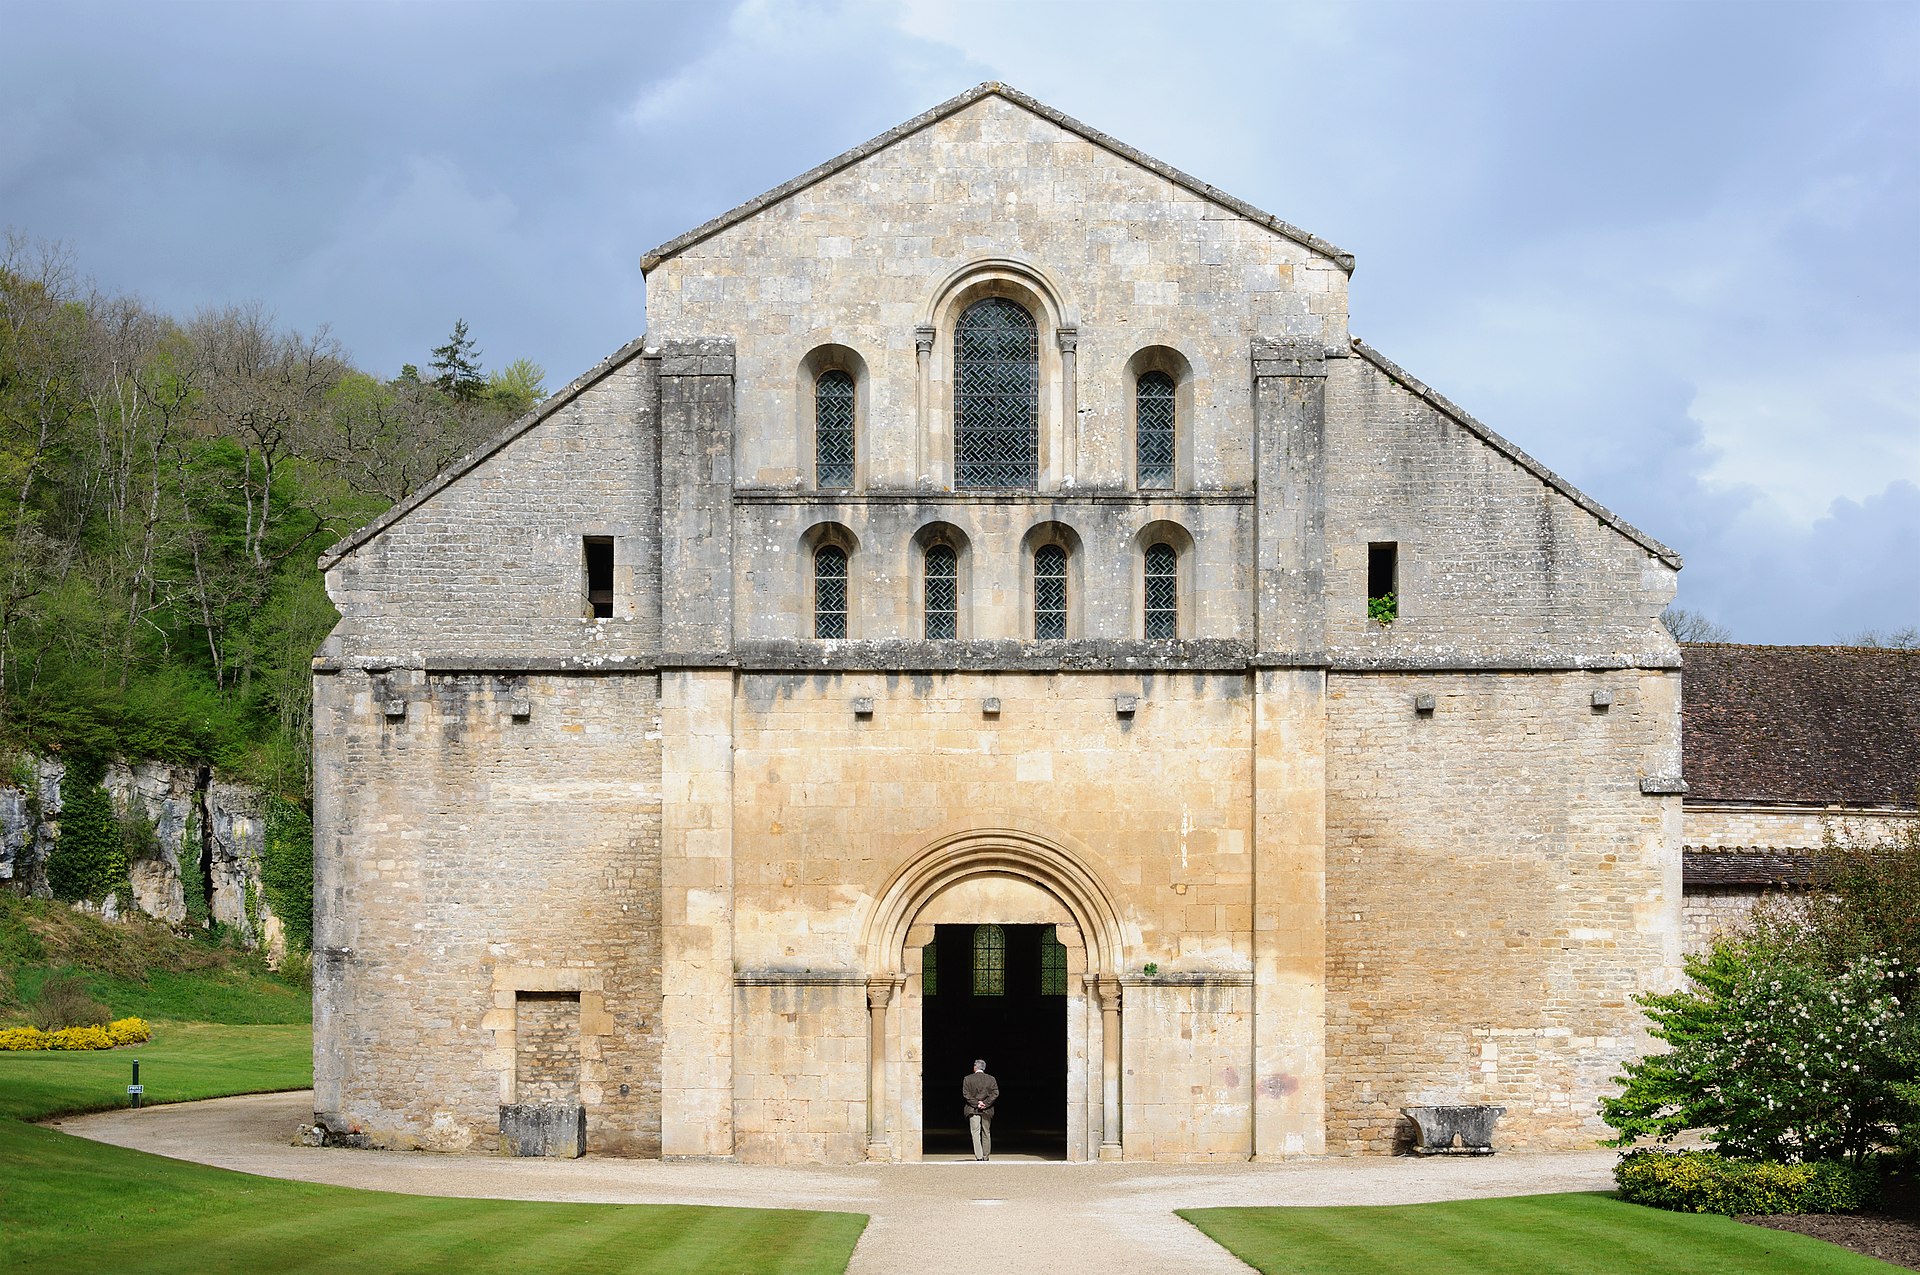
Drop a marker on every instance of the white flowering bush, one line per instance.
(1777, 1057)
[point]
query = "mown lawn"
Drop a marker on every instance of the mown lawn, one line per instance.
(1580, 1234)
(67, 1204)
(183, 1061)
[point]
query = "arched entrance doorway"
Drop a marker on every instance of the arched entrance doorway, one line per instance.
(1034, 907)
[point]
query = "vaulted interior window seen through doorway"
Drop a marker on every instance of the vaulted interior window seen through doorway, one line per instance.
(996, 396)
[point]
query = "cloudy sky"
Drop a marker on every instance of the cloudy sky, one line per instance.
(1673, 250)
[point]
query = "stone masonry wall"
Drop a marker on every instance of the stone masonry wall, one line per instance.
(493, 565)
(857, 260)
(501, 837)
(1498, 888)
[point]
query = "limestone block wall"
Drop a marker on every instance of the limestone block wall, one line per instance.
(1188, 1046)
(830, 800)
(1497, 569)
(1711, 911)
(1788, 827)
(800, 1070)
(493, 564)
(858, 259)
(499, 838)
(774, 543)
(1498, 888)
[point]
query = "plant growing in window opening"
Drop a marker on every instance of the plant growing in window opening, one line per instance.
(1383, 609)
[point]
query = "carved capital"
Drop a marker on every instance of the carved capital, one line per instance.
(1069, 339)
(1110, 995)
(879, 992)
(923, 338)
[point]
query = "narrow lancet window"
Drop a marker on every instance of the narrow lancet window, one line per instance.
(1383, 581)
(1049, 592)
(1163, 592)
(598, 560)
(989, 961)
(996, 396)
(833, 404)
(830, 592)
(1053, 964)
(943, 592)
(1153, 429)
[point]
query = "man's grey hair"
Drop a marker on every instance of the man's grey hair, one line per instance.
(979, 1064)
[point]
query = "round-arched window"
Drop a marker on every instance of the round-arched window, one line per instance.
(996, 396)
(830, 592)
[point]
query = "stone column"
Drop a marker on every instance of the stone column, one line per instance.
(879, 1001)
(1110, 1143)
(924, 448)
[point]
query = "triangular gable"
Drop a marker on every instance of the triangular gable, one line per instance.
(481, 454)
(953, 106)
(1438, 403)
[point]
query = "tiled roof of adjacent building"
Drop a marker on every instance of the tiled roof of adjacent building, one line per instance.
(1801, 725)
(1738, 865)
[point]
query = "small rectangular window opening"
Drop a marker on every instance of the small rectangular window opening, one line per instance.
(599, 565)
(1383, 581)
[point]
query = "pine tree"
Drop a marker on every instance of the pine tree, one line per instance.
(456, 365)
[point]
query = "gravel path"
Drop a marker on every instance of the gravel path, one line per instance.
(979, 1219)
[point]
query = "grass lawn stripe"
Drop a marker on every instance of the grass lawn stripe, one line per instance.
(1577, 1234)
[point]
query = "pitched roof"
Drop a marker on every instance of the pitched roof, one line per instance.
(479, 455)
(1801, 725)
(953, 106)
(1701, 866)
(1445, 407)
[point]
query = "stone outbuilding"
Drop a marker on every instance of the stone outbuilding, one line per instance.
(1786, 746)
(997, 610)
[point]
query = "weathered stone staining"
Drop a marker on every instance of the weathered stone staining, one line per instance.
(685, 863)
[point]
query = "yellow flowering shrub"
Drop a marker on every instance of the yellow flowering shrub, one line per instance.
(121, 1031)
(129, 1031)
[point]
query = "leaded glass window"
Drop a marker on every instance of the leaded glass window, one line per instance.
(930, 970)
(1049, 592)
(996, 396)
(1153, 428)
(989, 961)
(830, 592)
(833, 429)
(1053, 964)
(943, 592)
(1163, 592)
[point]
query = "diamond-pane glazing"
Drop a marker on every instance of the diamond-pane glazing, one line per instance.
(943, 592)
(1053, 964)
(989, 961)
(830, 592)
(1153, 417)
(996, 396)
(1050, 592)
(1163, 592)
(930, 970)
(833, 429)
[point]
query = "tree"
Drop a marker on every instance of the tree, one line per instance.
(1901, 639)
(1691, 626)
(456, 365)
(517, 386)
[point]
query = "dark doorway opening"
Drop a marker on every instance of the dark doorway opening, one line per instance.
(997, 992)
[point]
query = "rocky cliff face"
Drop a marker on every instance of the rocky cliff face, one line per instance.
(209, 841)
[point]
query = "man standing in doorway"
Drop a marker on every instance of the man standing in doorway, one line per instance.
(980, 1091)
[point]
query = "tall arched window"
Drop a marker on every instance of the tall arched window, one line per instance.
(1163, 592)
(1153, 429)
(833, 401)
(996, 396)
(1049, 592)
(989, 961)
(943, 592)
(830, 592)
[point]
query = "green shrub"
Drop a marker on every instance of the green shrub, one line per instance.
(1383, 609)
(65, 1002)
(287, 869)
(1706, 1182)
(89, 860)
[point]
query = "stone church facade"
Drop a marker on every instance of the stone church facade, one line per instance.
(946, 633)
